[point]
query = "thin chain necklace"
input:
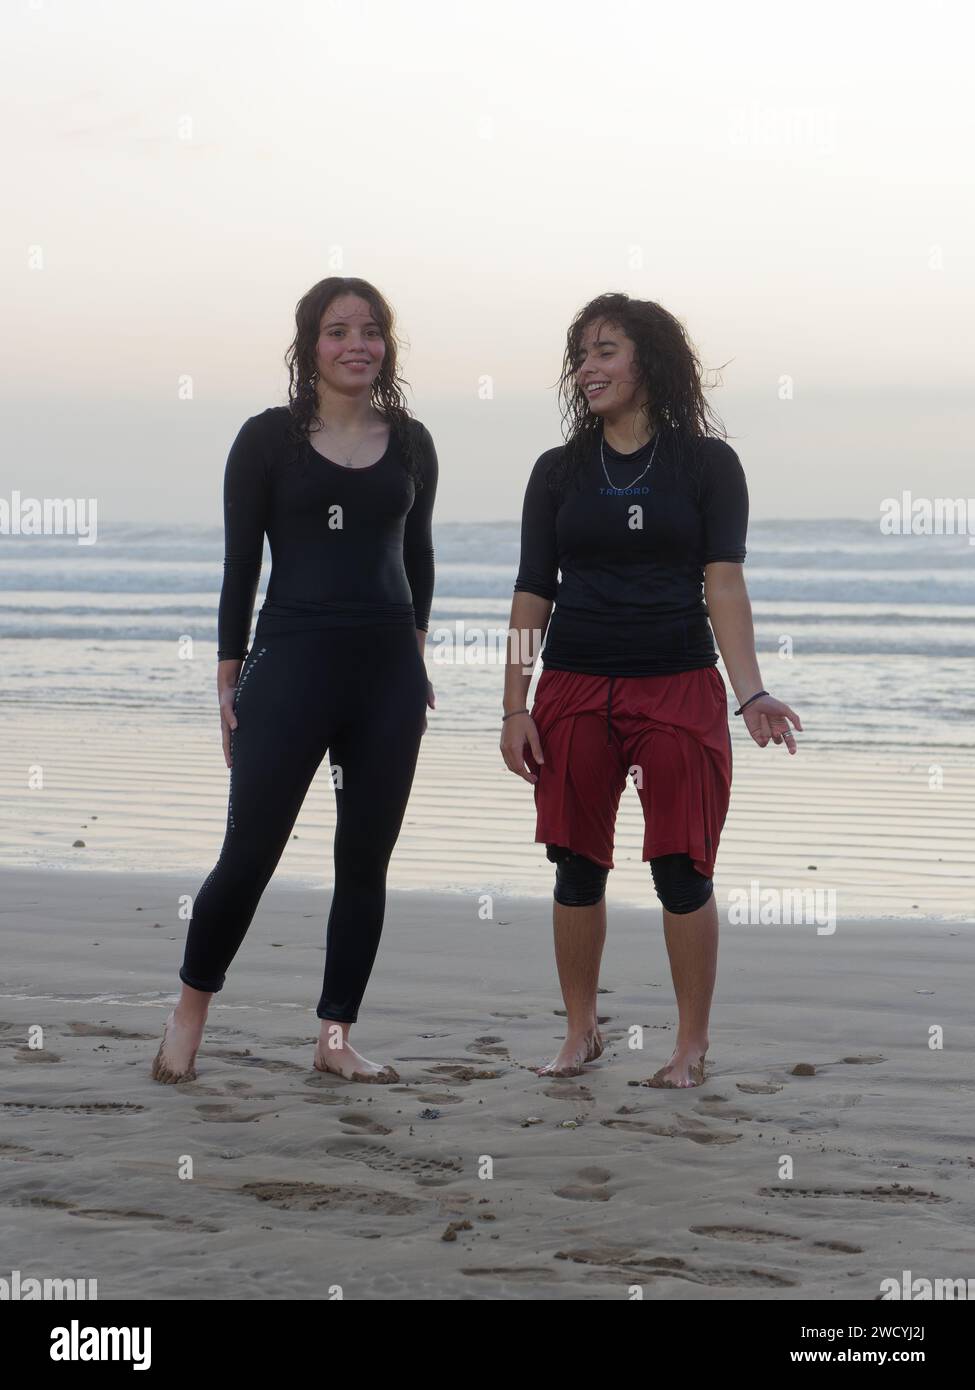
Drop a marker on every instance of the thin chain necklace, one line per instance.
(324, 431)
(348, 457)
(609, 480)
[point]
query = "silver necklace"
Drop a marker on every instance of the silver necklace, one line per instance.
(609, 480)
(324, 430)
(348, 457)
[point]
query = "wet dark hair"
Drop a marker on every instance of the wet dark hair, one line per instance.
(300, 359)
(667, 365)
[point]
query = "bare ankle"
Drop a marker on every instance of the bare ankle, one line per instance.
(190, 1016)
(577, 1025)
(334, 1034)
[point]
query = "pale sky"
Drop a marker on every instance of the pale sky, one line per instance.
(794, 185)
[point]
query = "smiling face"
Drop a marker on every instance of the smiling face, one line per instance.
(350, 347)
(606, 370)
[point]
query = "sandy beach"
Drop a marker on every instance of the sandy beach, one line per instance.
(473, 1178)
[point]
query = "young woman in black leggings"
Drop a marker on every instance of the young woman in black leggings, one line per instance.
(344, 491)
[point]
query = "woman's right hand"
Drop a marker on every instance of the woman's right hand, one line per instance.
(228, 674)
(228, 720)
(515, 733)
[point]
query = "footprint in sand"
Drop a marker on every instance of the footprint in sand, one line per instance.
(244, 1059)
(514, 1274)
(627, 1262)
(743, 1278)
(364, 1124)
(493, 1047)
(757, 1088)
(590, 1187)
(310, 1196)
(35, 1054)
(159, 1220)
(21, 1153)
(460, 1074)
(101, 1107)
(102, 1030)
(229, 1114)
(36, 1199)
(602, 1254)
(750, 1234)
(683, 1127)
(567, 1090)
(819, 1068)
(883, 1193)
(721, 1108)
(430, 1170)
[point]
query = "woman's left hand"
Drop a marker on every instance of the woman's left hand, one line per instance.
(768, 718)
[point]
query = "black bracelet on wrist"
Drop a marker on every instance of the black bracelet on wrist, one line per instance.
(748, 701)
(513, 713)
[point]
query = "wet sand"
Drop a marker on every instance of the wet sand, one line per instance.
(473, 1178)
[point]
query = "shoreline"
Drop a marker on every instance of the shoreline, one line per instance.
(886, 835)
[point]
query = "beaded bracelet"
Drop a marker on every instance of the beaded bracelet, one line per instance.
(748, 702)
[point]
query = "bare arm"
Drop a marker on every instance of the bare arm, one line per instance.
(730, 610)
(726, 596)
(530, 615)
(535, 591)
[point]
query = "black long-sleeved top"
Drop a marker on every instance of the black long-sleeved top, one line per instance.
(631, 597)
(349, 546)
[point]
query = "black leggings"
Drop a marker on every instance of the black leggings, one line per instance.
(359, 694)
(581, 883)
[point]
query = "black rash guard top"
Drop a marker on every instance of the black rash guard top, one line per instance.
(349, 546)
(632, 552)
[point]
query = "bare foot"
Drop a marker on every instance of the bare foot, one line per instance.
(345, 1061)
(685, 1069)
(177, 1051)
(576, 1051)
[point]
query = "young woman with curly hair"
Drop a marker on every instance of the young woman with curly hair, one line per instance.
(644, 511)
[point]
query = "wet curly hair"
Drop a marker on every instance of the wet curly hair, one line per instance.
(668, 367)
(300, 359)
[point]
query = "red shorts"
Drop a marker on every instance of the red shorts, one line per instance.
(669, 733)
